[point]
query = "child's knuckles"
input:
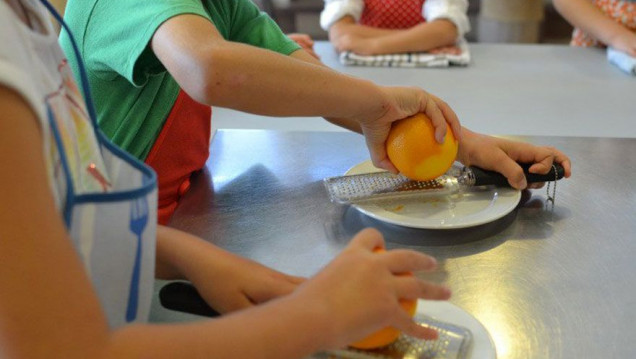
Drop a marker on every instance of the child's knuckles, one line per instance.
(433, 291)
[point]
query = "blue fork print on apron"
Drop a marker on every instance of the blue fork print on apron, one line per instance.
(138, 222)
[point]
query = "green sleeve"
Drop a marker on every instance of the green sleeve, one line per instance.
(242, 21)
(118, 34)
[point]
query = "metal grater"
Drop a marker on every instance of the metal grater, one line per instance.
(454, 342)
(377, 185)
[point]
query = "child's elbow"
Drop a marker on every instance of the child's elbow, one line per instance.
(207, 82)
(452, 33)
(448, 32)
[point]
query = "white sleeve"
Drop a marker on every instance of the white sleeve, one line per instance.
(453, 10)
(15, 60)
(13, 77)
(336, 9)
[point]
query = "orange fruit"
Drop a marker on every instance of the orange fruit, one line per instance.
(386, 335)
(412, 148)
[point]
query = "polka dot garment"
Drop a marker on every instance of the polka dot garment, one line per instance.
(392, 14)
(623, 12)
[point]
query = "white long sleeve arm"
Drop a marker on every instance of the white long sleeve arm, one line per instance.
(337, 9)
(452, 10)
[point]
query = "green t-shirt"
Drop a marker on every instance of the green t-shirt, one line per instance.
(132, 91)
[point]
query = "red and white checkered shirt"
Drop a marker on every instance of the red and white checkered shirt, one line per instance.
(392, 14)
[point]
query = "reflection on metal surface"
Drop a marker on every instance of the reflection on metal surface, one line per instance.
(546, 284)
(354, 221)
(497, 319)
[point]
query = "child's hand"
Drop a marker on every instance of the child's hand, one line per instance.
(625, 42)
(501, 155)
(305, 42)
(245, 283)
(402, 102)
(242, 284)
(358, 292)
(360, 45)
(225, 280)
(446, 50)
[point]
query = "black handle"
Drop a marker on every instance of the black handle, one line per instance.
(184, 297)
(484, 177)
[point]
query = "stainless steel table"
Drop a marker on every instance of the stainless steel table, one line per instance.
(540, 90)
(546, 284)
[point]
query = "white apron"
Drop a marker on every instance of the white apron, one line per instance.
(114, 231)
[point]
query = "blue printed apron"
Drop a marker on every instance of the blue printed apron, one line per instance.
(114, 230)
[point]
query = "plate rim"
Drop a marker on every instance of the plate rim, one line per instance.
(425, 225)
(439, 310)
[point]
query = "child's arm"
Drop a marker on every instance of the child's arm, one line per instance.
(422, 37)
(584, 15)
(502, 155)
(227, 282)
(345, 123)
(323, 312)
(346, 30)
(48, 306)
(489, 152)
(233, 75)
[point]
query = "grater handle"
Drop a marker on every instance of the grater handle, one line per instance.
(184, 297)
(485, 177)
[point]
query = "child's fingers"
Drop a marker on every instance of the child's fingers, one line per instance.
(451, 117)
(564, 161)
(544, 157)
(296, 279)
(378, 154)
(411, 288)
(306, 45)
(542, 165)
(437, 118)
(377, 148)
(308, 40)
(312, 53)
(368, 238)
(388, 165)
(567, 167)
(404, 322)
(505, 165)
(536, 185)
(405, 261)
(301, 39)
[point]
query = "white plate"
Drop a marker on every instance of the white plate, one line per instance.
(483, 347)
(478, 206)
